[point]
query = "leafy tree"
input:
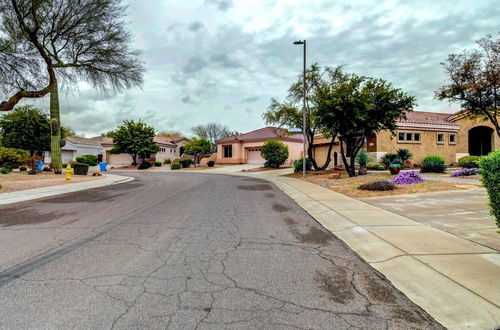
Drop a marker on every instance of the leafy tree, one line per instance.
(136, 139)
(474, 80)
(212, 132)
(42, 42)
(197, 147)
(290, 112)
(275, 153)
(26, 128)
(109, 134)
(357, 107)
(13, 155)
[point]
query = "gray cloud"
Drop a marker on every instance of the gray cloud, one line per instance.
(194, 64)
(230, 68)
(221, 4)
(195, 26)
(250, 99)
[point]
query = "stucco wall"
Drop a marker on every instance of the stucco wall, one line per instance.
(427, 146)
(463, 135)
(240, 152)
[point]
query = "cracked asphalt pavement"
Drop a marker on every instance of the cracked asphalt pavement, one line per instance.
(186, 251)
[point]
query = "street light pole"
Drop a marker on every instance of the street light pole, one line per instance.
(303, 110)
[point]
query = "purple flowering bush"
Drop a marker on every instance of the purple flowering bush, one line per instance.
(407, 177)
(466, 172)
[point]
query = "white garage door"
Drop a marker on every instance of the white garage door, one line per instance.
(254, 157)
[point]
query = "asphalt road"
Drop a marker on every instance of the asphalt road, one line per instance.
(186, 251)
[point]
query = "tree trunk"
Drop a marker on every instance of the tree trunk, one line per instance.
(328, 156)
(134, 159)
(55, 136)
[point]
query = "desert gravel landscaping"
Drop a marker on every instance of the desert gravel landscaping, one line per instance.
(16, 181)
(349, 186)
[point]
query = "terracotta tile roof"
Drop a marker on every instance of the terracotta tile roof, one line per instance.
(81, 140)
(164, 140)
(428, 120)
(103, 140)
(265, 133)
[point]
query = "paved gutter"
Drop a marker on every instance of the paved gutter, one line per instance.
(30, 194)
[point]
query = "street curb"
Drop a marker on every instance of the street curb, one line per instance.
(37, 193)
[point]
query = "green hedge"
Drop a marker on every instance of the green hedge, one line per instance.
(275, 153)
(90, 160)
(490, 171)
(469, 161)
(186, 162)
(210, 163)
(175, 166)
(433, 164)
(145, 165)
(298, 165)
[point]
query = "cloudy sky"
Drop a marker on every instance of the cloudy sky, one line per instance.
(222, 60)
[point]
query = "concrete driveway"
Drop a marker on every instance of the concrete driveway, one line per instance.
(463, 213)
(186, 251)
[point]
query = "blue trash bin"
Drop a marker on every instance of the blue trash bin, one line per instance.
(39, 165)
(102, 166)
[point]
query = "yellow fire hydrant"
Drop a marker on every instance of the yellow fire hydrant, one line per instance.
(68, 173)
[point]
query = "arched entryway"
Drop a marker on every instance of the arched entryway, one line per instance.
(480, 140)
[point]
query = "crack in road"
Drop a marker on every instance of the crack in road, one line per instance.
(228, 258)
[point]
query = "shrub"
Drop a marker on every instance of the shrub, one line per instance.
(5, 170)
(407, 177)
(404, 155)
(158, 164)
(210, 163)
(389, 159)
(13, 155)
(145, 165)
(375, 166)
(490, 170)
(80, 168)
(91, 160)
(65, 165)
(465, 172)
(167, 161)
(275, 153)
(23, 168)
(469, 161)
(186, 162)
(299, 164)
(433, 164)
(46, 169)
(378, 186)
(363, 158)
(175, 166)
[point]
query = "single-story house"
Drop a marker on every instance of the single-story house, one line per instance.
(170, 147)
(246, 148)
(450, 136)
(77, 146)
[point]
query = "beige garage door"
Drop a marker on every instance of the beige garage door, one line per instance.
(254, 157)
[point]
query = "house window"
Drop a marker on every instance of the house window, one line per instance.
(453, 138)
(409, 136)
(228, 151)
(416, 137)
(404, 137)
(440, 138)
(401, 136)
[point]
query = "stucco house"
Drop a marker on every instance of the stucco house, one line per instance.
(450, 136)
(77, 146)
(245, 148)
(170, 147)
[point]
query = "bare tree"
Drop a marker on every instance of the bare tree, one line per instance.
(43, 42)
(212, 132)
(474, 80)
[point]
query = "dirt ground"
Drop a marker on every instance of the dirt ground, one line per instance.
(349, 186)
(16, 181)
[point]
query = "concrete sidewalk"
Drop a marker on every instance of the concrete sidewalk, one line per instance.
(29, 194)
(454, 279)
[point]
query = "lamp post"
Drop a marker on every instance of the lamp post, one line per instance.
(304, 109)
